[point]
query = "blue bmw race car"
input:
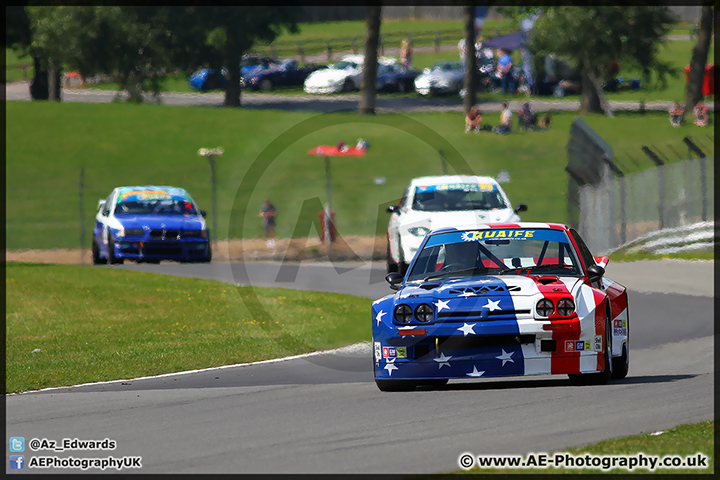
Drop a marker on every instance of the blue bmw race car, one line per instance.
(149, 224)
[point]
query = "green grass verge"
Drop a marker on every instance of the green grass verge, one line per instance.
(684, 440)
(96, 324)
(47, 143)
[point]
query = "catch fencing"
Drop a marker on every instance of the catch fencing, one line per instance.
(620, 209)
(610, 209)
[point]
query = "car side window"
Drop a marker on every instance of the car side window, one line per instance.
(585, 253)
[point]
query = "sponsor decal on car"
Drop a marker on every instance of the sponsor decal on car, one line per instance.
(467, 187)
(505, 234)
(378, 351)
(598, 343)
(579, 345)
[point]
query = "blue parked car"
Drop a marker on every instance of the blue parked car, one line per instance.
(209, 79)
(287, 73)
(391, 77)
(150, 223)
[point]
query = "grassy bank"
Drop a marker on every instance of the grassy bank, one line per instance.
(266, 156)
(66, 325)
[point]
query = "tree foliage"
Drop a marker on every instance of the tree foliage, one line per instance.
(138, 46)
(595, 37)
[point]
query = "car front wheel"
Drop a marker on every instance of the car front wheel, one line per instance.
(97, 260)
(396, 385)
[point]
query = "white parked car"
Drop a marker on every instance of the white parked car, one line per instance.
(343, 76)
(443, 77)
(444, 201)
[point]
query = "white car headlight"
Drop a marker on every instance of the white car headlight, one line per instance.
(419, 231)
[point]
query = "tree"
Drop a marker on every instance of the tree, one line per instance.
(470, 80)
(700, 52)
(595, 37)
(368, 91)
(18, 37)
(232, 31)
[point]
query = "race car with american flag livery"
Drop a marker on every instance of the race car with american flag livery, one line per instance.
(497, 300)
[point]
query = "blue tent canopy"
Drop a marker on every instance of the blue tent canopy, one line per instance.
(512, 41)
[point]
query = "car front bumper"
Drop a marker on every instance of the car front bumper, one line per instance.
(189, 250)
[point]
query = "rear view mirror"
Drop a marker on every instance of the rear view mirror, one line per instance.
(521, 208)
(595, 272)
(393, 209)
(394, 278)
(203, 213)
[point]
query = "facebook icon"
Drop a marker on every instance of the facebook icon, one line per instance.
(17, 462)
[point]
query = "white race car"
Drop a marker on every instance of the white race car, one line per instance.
(430, 203)
(343, 76)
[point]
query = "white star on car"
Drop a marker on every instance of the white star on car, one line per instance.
(493, 305)
(475, 372)
(442, 304)
(390, 366)
(379, 316)
(467, 328)
(505, 357)
(443, 360)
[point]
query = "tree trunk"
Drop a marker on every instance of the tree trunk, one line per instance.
(693, 92)
(470, 80)
(592, 97)
(53, 75)
(368, 91)
(232, 79)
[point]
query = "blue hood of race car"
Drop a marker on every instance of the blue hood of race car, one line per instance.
(171, 222)
(452, 288)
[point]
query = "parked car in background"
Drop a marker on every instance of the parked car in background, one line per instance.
(430, 203)
(501, 300)
(343, 76)
(287, 73)
(210, 79)
(442, 78)
(391, 77)
(149, 223)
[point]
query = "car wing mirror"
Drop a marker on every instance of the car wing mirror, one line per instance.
(203, 213)
(394, 279)
(393, 209)
(595, 272)
(521, 208)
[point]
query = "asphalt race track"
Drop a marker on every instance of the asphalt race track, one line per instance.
(322, 413)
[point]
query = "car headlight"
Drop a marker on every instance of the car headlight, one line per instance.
(545, 307)
(196, 233)
(566, 307)
(403, 314)
(424, 312)
(419, 231)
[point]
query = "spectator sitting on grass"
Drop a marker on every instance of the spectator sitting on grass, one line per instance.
(702, 115)
(677, 113)
(505, 120)
(527, 118)
(473, 119)
(545, 123)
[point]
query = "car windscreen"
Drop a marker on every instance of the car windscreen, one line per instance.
(495, 251)
(457, 197)
(343, 64)
(153, 202)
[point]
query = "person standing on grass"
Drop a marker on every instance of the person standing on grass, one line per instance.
(268, 213)
(505, 69)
